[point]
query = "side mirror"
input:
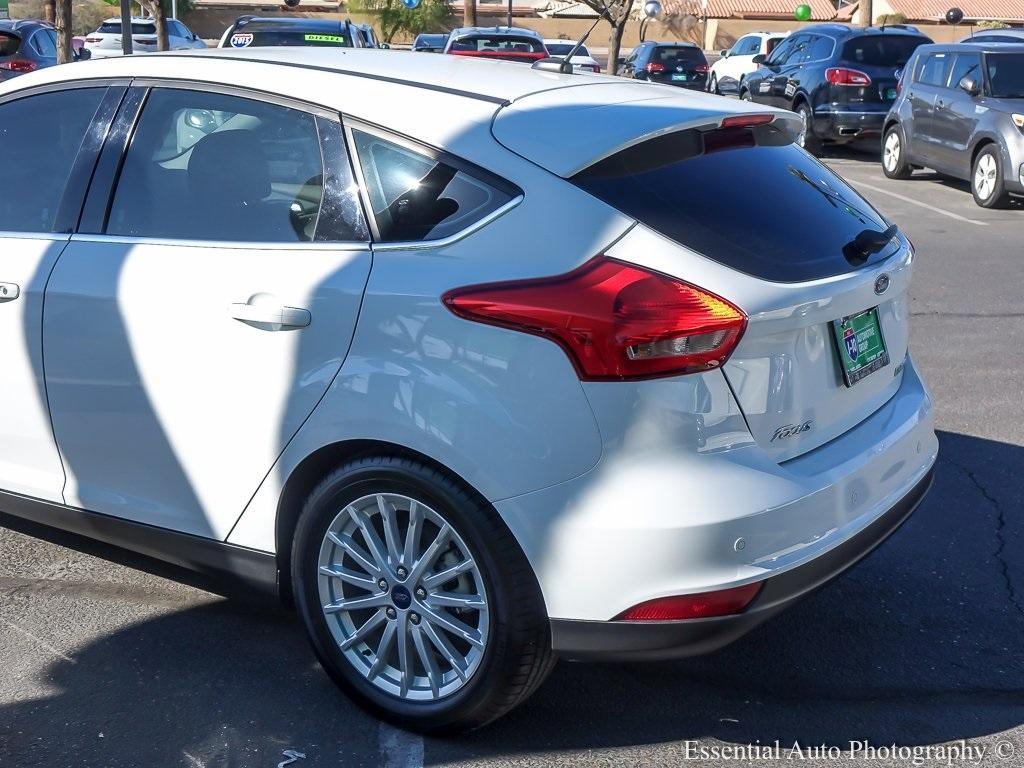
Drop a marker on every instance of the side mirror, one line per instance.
(970, 85)
(385, 46)
(83, 54)
(724, 54)
(759, 59)
(621, 60)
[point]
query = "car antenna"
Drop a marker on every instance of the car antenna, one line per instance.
(564, 65)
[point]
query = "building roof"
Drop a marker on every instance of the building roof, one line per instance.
(935, 10)
(821, 10)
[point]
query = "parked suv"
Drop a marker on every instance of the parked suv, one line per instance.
(841, 80)
(680, 64)
(732, 68)
(394, 343)
(106, 40)
(960, 111)
(27, 45)
(263, 31)
(501, 43)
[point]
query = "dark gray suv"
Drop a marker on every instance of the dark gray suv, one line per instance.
(960, 111)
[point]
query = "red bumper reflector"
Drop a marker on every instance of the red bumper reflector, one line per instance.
(700, 606)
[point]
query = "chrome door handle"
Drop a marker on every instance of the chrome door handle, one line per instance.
(9, 291)
(276, 316)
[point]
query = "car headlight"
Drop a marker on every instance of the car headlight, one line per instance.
(1018, 120)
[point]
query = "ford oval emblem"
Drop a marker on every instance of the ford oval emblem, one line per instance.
(881, 283)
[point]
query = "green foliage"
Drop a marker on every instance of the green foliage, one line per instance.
(992, 24)
(888, 19)
(393, 17)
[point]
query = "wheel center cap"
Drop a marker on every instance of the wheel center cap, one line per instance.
(400, 597)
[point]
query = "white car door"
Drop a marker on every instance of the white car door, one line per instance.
(47, 152)
(191, 336)
(741, 61)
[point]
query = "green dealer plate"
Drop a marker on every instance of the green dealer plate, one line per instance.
(860, 345)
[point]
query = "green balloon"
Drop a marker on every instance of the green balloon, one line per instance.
(802, 12)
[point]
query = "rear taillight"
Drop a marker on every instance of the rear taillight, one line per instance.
(615, 320)
(591, 67)
(843, 76)
(701, 69)
(18, 65)
(700, 606)
(654, 67)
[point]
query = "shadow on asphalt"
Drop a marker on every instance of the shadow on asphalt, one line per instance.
(918, 645)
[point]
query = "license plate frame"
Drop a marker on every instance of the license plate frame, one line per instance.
(860, 345)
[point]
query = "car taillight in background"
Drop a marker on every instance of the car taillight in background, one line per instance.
(654, 67)
(145, 40)
(615, 320)
(591, 67)
(843, 76)
(722, 602)
(18, 65)
(94, 39)
(701, 69)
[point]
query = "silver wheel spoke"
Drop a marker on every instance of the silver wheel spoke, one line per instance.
(431, 553)
(360, 634)
(370, 536)
(357, 603)
(349, 577)
(354, 551)
(412, 535)
(382, 650)
(389, 515)
(445, 648)
(455, 600)
(453, 626)
(427, 659)
(404, 662)
(441, 578)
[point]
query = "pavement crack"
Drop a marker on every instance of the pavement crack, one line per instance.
(1000, 553)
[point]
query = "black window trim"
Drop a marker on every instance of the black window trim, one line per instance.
(481, 174)
(101, 193)
(76, 188)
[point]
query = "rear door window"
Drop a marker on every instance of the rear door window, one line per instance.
(882, 50)
(769, 211)
(208, 166)
(40, 137)
(935, 69)
(416, 194)
(45, 43)
(497, 44)
(966, 65)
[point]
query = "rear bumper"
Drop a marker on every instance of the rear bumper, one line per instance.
(837, 123)
(654, 640)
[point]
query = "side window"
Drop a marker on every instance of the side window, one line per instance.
(417, 196)
(801, 50)
(966, 65)
(206, 166)
(821, 48)
(44, 44)
(750, 46)
(771, 44)
(935, 69)
(783, 51)
(40, 137)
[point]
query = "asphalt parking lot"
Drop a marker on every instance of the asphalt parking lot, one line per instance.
(109, 660)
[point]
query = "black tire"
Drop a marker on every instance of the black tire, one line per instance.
(517, 656)
(894, 154)
(810, 142)
(745, 95)
(997, 197)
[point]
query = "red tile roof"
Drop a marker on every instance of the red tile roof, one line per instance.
(930, 10)
(821, 10)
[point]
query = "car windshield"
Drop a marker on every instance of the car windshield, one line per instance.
(259, 35)
(8, 44)
(114, 28)
(564, 49)
(677, 55)
(773, 212)
(882, 50)
(1006, 74)
(497, 44)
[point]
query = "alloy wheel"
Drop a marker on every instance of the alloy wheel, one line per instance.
(403, 597)
(891, 151)
(985, 175)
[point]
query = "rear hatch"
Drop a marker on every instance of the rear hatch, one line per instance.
(677, 65)
(10, 64)
(869, 69)
(744, 214)
(258, 34)
(504, 47)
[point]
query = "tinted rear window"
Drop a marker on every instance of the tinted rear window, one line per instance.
(770, 211)
(8, 44)
(1006, 74)
(293, 35)
(498, 44)
(564, 49)
(672, 56)
(882, 50)
(114, 28)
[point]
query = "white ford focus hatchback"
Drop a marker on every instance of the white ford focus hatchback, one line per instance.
(394, 340)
